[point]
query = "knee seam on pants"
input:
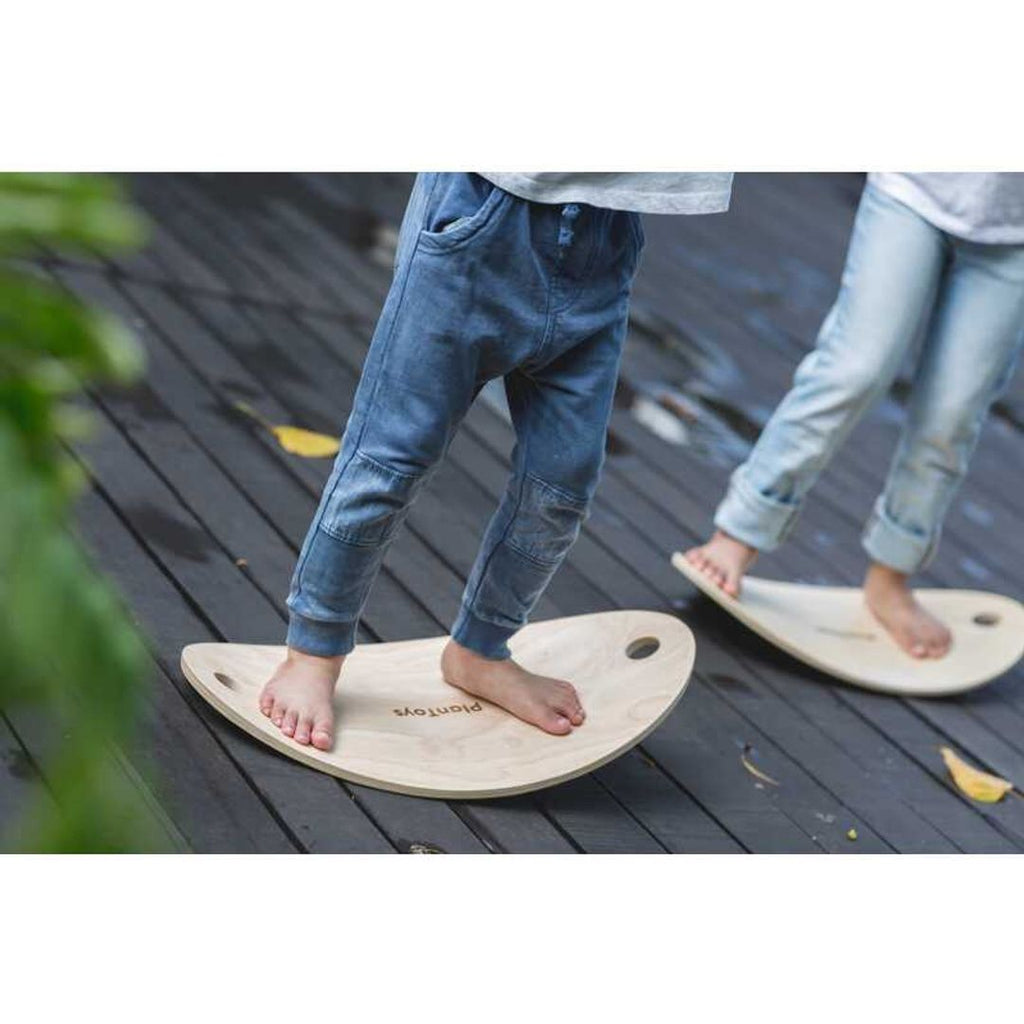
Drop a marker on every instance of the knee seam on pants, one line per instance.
(542, 563)
(573, 499)
(385, 467)
(388, 515)
(546, 522)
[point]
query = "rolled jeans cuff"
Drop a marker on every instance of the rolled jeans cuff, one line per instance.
(754, 519)
(890, 544)
(487, 639)
(323, 639)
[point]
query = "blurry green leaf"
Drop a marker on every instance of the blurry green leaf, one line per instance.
(69, 650)
(35, 319)
(81, 211)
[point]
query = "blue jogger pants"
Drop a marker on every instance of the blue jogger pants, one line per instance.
(486, 285)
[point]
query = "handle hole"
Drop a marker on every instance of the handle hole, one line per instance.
(225, 680)
(642, 648)
(986, 619)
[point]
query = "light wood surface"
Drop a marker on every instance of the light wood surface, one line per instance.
(400, 727)
(831, 629)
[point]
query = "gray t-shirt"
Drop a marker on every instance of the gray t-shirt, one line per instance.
(636, 191)
(987, 208)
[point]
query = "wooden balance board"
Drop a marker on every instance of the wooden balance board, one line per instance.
(400, 727)
(830, 629)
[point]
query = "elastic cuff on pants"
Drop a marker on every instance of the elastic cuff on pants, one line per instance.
(322, 639)
(754, 519)
(484, 638)
(891, 545)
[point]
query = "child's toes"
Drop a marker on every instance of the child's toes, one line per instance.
(303, 730)
(322, 735)
(288, 725)
(569, 706)
(916, 646)
(556, 722)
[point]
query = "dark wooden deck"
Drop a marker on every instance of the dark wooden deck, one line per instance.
(265, 288)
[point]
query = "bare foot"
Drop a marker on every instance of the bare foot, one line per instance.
(550, 704)
(892, 602)
(724, 560)
(298, 698)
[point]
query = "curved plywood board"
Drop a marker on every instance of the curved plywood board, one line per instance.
(400, 727)
(830, 629)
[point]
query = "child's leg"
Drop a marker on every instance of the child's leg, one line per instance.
(560, 404)
(893, 267)
(968, 359)
(425, 365)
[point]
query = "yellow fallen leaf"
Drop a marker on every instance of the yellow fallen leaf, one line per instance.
(305, 442)
(851, 834)
(978, 785)
(296, 440)
(754, 770)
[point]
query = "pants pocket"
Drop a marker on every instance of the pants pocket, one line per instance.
(462, 206)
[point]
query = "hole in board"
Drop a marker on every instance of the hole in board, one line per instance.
(642, 648)
(986, 619)
(225, 680)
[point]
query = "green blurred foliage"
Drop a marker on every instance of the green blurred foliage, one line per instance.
(67, 649)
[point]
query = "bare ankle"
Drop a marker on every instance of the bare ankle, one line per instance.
(881, 576)
(721, 537)
(326, 666)
(457, 659)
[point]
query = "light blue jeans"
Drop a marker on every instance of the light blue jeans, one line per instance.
(486, 285)
(904, 279)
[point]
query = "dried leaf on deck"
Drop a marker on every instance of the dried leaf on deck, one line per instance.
(978, 785)
(745, 758)
(305, 442)
(296, 440)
